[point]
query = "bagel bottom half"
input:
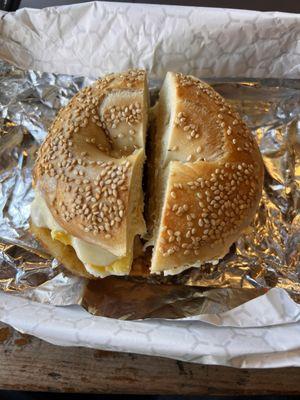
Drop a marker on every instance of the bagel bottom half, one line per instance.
(66, 255)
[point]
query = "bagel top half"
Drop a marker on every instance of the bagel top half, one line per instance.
(208, 175)
(87, 176)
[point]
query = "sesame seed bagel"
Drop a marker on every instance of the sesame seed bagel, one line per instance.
(89, 168)
(208, 179)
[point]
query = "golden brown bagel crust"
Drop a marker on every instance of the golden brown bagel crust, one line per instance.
(215, 176)
(85, 166)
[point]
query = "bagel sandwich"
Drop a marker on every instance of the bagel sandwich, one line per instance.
(204, 177)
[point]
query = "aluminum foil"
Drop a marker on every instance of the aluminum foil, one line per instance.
(266, 255)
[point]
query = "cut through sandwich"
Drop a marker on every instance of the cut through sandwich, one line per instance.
(88, 176)
(208, 175)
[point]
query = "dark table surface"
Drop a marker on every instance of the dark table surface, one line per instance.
(27, 363)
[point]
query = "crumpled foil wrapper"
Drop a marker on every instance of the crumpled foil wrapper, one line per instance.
(266, 255)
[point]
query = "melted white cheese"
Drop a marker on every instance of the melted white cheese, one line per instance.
(178, 270)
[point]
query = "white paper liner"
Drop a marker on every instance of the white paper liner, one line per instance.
(242, 339)
(94, 38)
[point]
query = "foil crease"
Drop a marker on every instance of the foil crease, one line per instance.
(266, 255)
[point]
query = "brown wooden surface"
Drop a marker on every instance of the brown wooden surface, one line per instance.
(27, 363)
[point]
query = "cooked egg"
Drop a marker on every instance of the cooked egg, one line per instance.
(61, 237)
(119, 267)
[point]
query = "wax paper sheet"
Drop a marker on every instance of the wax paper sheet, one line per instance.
(94, 38)
(257, 334)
